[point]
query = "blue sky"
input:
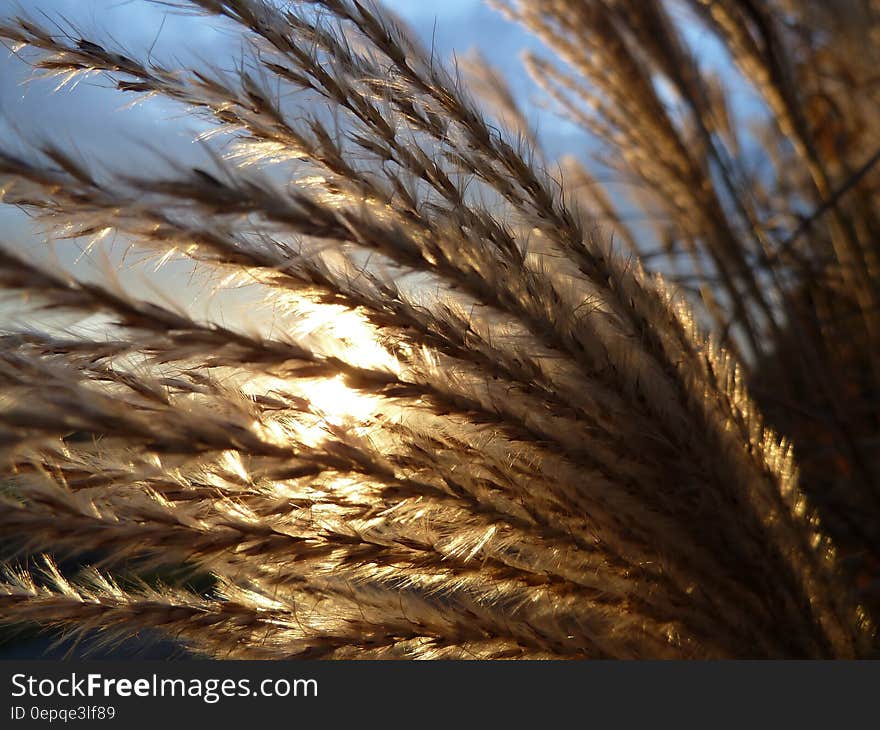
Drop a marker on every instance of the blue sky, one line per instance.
(452, 26)
(86, 113)
(93, 122)
(90, 119)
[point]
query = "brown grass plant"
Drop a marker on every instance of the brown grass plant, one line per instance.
(484, 428)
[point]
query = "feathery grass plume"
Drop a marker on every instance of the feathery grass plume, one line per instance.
(473, 430)
(766, 210)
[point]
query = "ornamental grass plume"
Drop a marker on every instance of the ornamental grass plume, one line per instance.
(476, 428)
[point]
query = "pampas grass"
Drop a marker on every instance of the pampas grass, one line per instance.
(483, 433)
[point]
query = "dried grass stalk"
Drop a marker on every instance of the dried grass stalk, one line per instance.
(497, 438)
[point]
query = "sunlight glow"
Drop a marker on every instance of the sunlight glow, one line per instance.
(339, 404)
(344, 333)
(332, 331)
